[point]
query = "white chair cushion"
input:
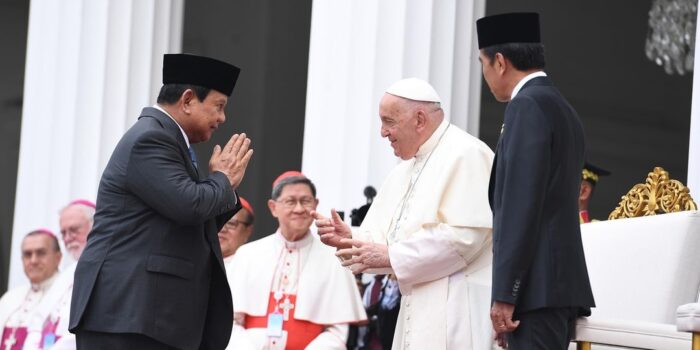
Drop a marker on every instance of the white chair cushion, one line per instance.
(688, 318)
(641, 269)
(645, 335)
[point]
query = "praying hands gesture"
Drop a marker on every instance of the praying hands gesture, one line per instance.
(233, 159)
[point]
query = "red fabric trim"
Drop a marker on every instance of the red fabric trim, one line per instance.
(299, 333)
(583, 217)
(20, 337)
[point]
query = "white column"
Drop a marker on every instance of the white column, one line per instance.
(357, 49)
(693, 182)
(91, 66)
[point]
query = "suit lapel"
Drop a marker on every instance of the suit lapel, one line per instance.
(538, 81)
(492, 180)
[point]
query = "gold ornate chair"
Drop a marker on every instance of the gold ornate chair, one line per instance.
(642, 268)
(659, 194)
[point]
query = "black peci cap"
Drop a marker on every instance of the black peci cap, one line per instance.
(201, 71)
(518, 27)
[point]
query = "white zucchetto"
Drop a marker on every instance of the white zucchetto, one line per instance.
(414, 89)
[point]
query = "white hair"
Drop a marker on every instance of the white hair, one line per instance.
(87, 210)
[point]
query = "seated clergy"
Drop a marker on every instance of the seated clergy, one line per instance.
(48, 327)
(236, 232)
(289, 290)
(41, 255)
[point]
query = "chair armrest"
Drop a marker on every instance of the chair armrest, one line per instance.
(688, 318)
(636, 334)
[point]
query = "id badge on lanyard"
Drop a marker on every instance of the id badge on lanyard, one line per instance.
(274, 324)
(49, 340)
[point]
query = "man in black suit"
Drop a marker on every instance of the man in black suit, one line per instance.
(540, 280)
(152, 275)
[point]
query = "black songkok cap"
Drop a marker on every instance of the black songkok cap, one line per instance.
(522, 27)
(591, 173)
(201, 71)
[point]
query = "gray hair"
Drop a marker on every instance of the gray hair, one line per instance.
(413, 105)
(87, 210)
(292, 180)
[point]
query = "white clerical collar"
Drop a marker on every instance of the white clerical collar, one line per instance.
(305, 241)
(429, 144)
(522, 82)
(187, 141)
(44, 285)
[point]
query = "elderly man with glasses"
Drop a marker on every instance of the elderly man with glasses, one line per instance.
(41, 255)
(236, 232)
(48, 326)
(288, 288)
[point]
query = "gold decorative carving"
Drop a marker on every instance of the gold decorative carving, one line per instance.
(658, 195)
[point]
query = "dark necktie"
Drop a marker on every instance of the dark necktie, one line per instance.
(193, 157)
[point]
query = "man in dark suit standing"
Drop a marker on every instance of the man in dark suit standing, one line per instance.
(152, 275)
(540, 281)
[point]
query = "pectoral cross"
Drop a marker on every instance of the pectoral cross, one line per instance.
(11, 341)
(286, 306)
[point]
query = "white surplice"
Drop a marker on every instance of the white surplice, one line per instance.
(434, 214)
(326, 293)
(54, 308)
(227, 262)
(17, 305)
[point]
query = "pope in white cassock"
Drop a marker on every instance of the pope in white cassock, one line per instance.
(41, 255)
(430, 225)
(48, 325)
(288, 288)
